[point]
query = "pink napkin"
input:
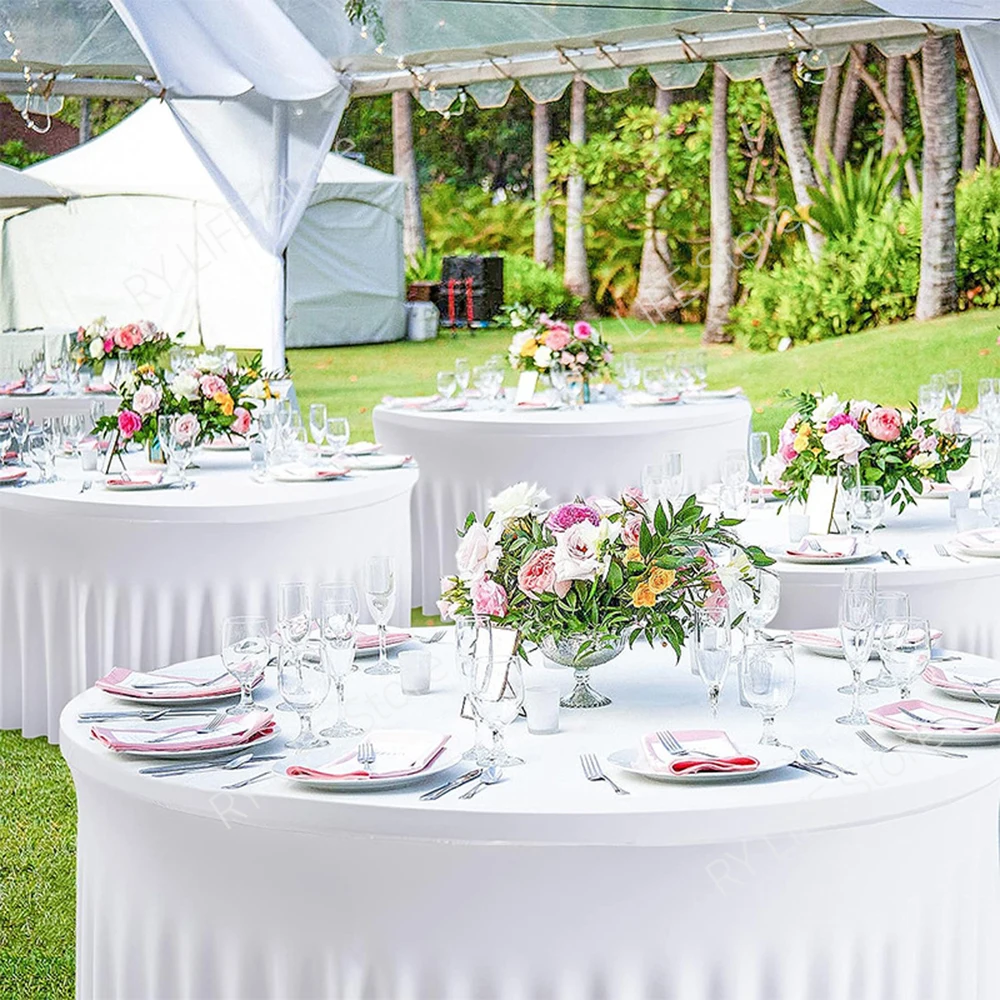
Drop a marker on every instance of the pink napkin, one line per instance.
(360, 448)
(947, 681)
(135, 481)
(237, 730)
(12, 475)
(830, 640)
(891, 717)
(9, 387)
(831, 546)
(103, 387)
(121, 681)
(398, 752)
(365, 640)
(726, 757)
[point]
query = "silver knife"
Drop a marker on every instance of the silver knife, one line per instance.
(436, 793)
(813, 769)
(162, 770)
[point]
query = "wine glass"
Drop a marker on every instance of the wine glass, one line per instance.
(760, 452)
(953, 386)
(713, 643)
(498, 693)
(20, 425)
(338, 625)
(939, 391)
(655, 380)
(73, 428)
(766, 590)
(869, 509)
(990, 500)
(631, 373)
(338, 433)
(848, 485)
(163, 425)
(446, 384)
(317, 423)
(462, 374)
(888, 604)
(735, 468)
(857, 632)
(906, 645)
(654, 483)
(673, 477)
(767, 680)
(380, 595)
(466, 636)
(181, 446)
(304, 684)
(294, 623)
(246, 644)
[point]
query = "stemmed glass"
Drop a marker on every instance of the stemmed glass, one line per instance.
(767, 680)
(305, 685)
(760, 452)
(857, 632)
(863, 580)
(317, 423)
(41, 451)
(953, 386)
(849, 483)
(462, 374)
(181, 447)
(713, 644)
(906, 645)
(447, 385)
(73, 428)
(380, 596)
(338, 433)
(869, 509)
(990, 500)
(466, 634)
(765, 588)
(654, 483)
(245, 646)
(631, 373)
(673, 477)
(294, 624)
(889, 604)
(20, 425)
(6, 440)
(338, 626)
(497, 694)
(163, 426)
(735, 468)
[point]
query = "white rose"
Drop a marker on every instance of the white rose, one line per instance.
(947, 423)
(845, 442)
(96, 349)
(519, 500)
(826, 408)
(543, 357)
(774, 468)
(255, 390)
(185, 386)
(211, 363)
(925, 460)
(476, 553)
(146, 400)
(859, 407)
(576, 552)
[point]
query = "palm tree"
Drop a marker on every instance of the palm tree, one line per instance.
(545, 251)
(722, 279)
(845, 110)
(972, 132)
(938, 293)
(404, 165)
(826, 116)
(576, 277)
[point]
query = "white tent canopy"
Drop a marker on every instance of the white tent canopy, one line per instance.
(151, 234)
(20, 190)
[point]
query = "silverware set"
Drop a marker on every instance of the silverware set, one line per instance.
(366, 754)
(811, 757)
(146, 715)
(873, 744)
(450, 786)
(193, 766)
(942, 550)
(593, 771)
(672, 746)
(155, 685)
(490, 776)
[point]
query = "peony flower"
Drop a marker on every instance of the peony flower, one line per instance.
(129, 423)
(489, 598)
(581, 358)
(859, 407)
(147, 399)
(147, 330)
(543, 356)
(576, 553)
(827, 407)
(96, 349)
(583, 331)
(845, 442)
(477, 554)
(185, 386)
(925, 460)
(633, 497)
(211, 363)
(212, 385)
(127, 337)
(566, 359)
(630, 533)
(568, 514)
(241, 423)
(109, 346)
(538, 575)
(884, 423)
(186, 428)
(774, 468)
(519, 500)
(558, 338)
(840, 420)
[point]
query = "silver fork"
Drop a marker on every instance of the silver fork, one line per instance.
(260, 776)
(873, 744)
(197, 684)
(85, 485)
(937, 723)
(434, 637)
(366, 754)
(593, 772)
(208, 728)
(671, 745)
(942, 550)
(811, 757)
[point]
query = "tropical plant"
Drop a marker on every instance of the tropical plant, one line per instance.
(470, 221)
(536, 286)
(425, 265)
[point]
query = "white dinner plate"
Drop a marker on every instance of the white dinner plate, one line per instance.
(991, 695)
(10, 477)
(390, 643)
(42, 390)
(648, 399)
(140, 487)
(290, 476)
(212, 669)
(942, 491)
(815, 559)
(230, 748)
(771, 759)
(361, 448)
(314, 758)
(373, 463)
(983, 542)
(941, 737)
(539, 407)
(225, 443)
(800, 638)
(708, 394)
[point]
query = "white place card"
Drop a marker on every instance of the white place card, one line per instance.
(525, 387)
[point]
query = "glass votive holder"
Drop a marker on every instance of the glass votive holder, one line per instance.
(958, 500)
(798, 525)
(541, 705)
(414, 670)
(969, 519)
(88, 458)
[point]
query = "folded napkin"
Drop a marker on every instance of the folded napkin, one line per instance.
(365, 640)
(409, 402)
(719, 753)
(829, 546)
(444, 405)
(122, 681)
(298, 472)
(375, 463)
(103, 387)
(140, 479)
(651, 399)
(533, 404)
(948, 680)
(235, 731)
(939, 719)
(398, 752)
(831, 640)
(12, 475)
(11, 386)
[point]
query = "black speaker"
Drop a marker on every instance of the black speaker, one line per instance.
(471, 290)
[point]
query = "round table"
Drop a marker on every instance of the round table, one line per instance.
(468, 456)
(99, 579)
(960, 598)
(53, 404)
(547, 885)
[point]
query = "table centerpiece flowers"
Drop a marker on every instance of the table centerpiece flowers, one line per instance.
(893, 449)
(542, 344)
(142, 343)
(581, 579)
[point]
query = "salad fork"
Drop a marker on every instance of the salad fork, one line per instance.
(366, 754)
(938, 722)
(942, 550)
(811, 757)
(434, 637)
(593, 772)
(672, 746)
(209, 728)
(198, 684)
(873, 744)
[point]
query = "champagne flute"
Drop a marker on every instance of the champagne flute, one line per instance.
(498, 693)
(849, 484)
(673, 477)
(73, 428)
(380, 595)
(446, 384)
(462, 373)
(466, 636)
(888, 604)
(735, 468)
(766, 589)
(906, 643)
(338, 626)
(713, 649)
(181, 446)
(767, 681)
(338, 433)
(163, 425)
(869, 509)
(857, 632)
(245, 646)
(760, 452)
(305, 685)
(953, 386)
(317, 423)
(294, 623)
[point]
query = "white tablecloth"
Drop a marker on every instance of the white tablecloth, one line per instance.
(17, 346)
(882, 887)
(99, 579)
(467, 457)
(960, 598)
(54, 404)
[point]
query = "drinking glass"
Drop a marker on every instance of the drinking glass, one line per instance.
(989, 452)
(654, 483)
(888, 604)
(574, 391)
(700, 369)
(380, 596)
(74, 428)
(163, 425)
(760, 452)
(766, 589)
(181, 446)
(294, 623)
(848, 486)
(466, 634)
(925, 402)
(655, 380)
(939, 389)
(498, 693)
(673, 477)
(869, 509)
(20, 425)
(767, 680)
(953, 386)
(734, 500)
(246, 643)
(35, 451)
(735, 468)
(990, 500)
(338, 626)
(446, 384)
(305, 685)
(462, 373)
(631, 373)
(317, 422)
(906, 645)
(857, 632)
(338, 433)
(557, 376)
(712, 649)
(6, 440)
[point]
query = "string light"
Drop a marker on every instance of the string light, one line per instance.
(31, 88)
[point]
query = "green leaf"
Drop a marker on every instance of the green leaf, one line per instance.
(660, 520)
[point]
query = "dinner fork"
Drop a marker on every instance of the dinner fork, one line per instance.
(434, 637)
(671, 745)
(874, 744)
(260, 776)
(937, 723)
(942, 550)
(811, 757)
(366, 754)
(209, 728)
(593, 772)
(180, 680)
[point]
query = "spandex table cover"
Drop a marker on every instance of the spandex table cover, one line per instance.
(961, 598)
(466, 457)
(791, 887)
(53, 404)
(89, 581)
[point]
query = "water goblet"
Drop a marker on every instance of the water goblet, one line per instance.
(317, 423)
(760, 452)
(462, 374)
(294, 623)
(498, 693)
(869, 509)
(380, 596)
(848, 485)
(305, 685)
(338, 625)
(857, 632)
(767, 682)
(466, 635)
(888, 604)
(446, 384)
(655, 380)
(631, 373)
(21, 428)
(246, 644)
(906, 645)
(673, 477)
(654, 483)
(939, 388)
(735, 468)
(73, 429)
(953, 386)
(338, 433)
(990, 500)
(712, 649)
(181, 445)
(765, 588)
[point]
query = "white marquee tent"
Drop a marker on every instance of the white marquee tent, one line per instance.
(150, 234)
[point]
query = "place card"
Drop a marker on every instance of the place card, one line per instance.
(821, 503)
(525, 388)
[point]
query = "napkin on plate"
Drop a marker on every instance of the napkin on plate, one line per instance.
(948, 680)
(299, 472)
(831, 640)
(952, 719)
(360, 448)
(102, 387)
(122, 681)
(719, 753)
(8, 387)
(12, 475)
(365, 640)
(235, 731)
(142, 479)
(398, 753)
(829, 546)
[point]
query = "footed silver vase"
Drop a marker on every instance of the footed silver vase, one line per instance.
(565, 650)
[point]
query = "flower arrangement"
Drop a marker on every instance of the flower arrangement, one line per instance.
(97, 343)
(211, 400)
(601, 568)
(894, 450)
(542, 343)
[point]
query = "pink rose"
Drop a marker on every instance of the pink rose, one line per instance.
(477, 555)
(788, 453)
(839, 420)
(211, 385)
(583, 331)
(489, 598)
(884, 424)
(566, 358)
(630, 533)
(147, 330)
(569, 514)
(633, 497)
(241, 420)
(186, 428)
(538, 574)
(929, 443)
(446, 609)
(557, 339)
(147, 399)
(129, 423)
(81, 335)
(127, 337)
(581, 358)
(109, 345)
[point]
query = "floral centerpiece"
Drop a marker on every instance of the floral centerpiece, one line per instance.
(542, 343)
(590, 575)
(97, 343)
(892, 449)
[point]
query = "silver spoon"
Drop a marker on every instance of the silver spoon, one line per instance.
(904, 555)
(490, 776)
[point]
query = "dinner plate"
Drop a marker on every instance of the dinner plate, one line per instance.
(376, 462)
(10, 476)
(771, 759)
(648, 399)
(42, 390)
(140, 486)
(941, 737)
(361, 654)
(448, 406)
(815, 559)
(990, 694)
(195, 669)
(983, 542)
(536, 407)
(707, 394)
(445, 761)
(942, 491)
(329, 475)
(225, 443)
(801, 638)
(257, 741)
(361, 448)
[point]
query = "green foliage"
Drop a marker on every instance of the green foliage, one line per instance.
(978, 238)
(425, 265)
(541, 289)
(15, 153)
(467, 221)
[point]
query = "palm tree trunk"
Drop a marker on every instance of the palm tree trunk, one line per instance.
(784, 98)
(845, 110)
(576, 277)
(545, 251)
(404, 165)
(826, 115)
(937, 294)
(895, 95)
(972, 133)
(722, 280)
(991, 147)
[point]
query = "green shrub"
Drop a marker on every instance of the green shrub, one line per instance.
(533, 285)
(978, 238)
(466, 221)
(423, 266)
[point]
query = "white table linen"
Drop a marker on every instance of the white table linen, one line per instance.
(56, 404)
(468, 456)
(960, 598)
(879, 886)
(94, 580)
(20, 346)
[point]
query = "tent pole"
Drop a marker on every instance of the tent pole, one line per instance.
(274, 353)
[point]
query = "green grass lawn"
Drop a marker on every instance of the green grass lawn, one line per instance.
(37, 812)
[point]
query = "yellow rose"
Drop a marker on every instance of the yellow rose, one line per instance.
(145, 370)
(643, 597)
(225, 402)
(633, 555)
(801, 441)
(528, 348)
(543, 336)
(660, 579)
